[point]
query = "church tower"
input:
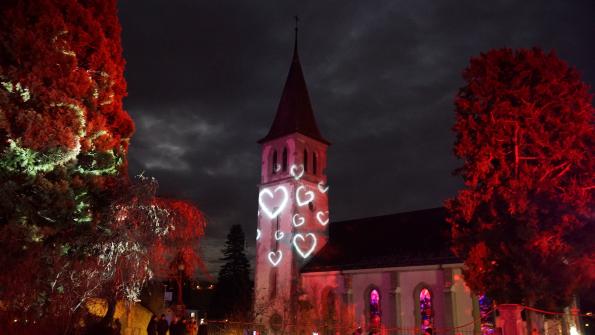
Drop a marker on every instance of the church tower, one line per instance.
(292, 203)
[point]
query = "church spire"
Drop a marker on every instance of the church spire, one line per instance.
(294, 113)
(295, 40)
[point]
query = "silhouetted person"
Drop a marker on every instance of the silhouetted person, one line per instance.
(192, 327)
(176, 327)
(117, 329)
(162, 325)
(152, 326)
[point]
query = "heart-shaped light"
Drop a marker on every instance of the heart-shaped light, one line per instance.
(301, 239)
(298, 220)
(275, 257)
(322, 218)
(322, 188)
(283, 198)
(296, 171)
(308, 196)
(257, 234)
(279, 235)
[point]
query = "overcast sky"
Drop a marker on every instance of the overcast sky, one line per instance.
(205, 77)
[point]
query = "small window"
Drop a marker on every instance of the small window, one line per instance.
(314, 163)
(284, 159)
(274, 161)
(426, 311)
(305, 160)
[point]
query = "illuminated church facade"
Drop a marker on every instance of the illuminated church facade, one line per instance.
(390, 274)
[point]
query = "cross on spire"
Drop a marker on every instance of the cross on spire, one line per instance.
(297, 20)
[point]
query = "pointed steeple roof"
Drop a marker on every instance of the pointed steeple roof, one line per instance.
(294, 113)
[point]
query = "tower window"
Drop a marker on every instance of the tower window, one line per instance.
(314, 163)
(274, 161)
(427, 314)
(284, 159)
(305, 160)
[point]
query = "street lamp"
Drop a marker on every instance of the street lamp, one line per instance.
(179, 277)
(180, 280)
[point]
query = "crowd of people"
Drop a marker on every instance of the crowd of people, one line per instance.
(177, 326)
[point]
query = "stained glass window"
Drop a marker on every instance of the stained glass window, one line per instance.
(426, 311)
(375, 309)
(486, 315)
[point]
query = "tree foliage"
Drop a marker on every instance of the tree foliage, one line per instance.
(234, 291)
(72, 223)
(63, 140)
(524, 220)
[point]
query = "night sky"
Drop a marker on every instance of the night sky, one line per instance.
(205, 77)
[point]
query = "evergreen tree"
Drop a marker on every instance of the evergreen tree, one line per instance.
(234, 289)
(524, 222)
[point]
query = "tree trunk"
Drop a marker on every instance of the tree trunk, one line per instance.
(111, 311)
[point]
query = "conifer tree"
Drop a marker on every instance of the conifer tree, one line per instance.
(234, 289)
(524, 221)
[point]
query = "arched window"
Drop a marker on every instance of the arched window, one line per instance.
(305, 160)
(375, 315)
(330, 313)
(274, 161)
(426, 311)
(486, 315)
(284, 159)
(314, 163)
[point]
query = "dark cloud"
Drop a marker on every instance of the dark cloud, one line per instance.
(205, 77)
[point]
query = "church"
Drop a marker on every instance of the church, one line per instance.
(391, 274)
(388, 274)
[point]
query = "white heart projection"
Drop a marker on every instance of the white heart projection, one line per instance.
(308, 196)
(257, 234)
(296, 171)
(322, 188)
(279, 235)
(322, 218)
(298, 220)
(275, 257)
(279, 197)
(304, 252)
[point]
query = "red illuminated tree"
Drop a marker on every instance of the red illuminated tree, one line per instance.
(524, 220)
(72, 224)
(63, 143)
